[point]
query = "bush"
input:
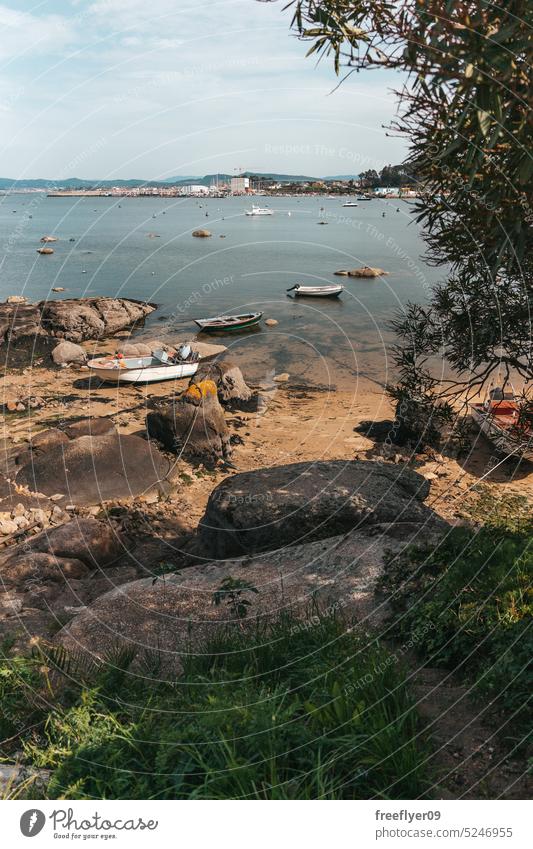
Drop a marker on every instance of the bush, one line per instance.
(470, 602)
(303, 711)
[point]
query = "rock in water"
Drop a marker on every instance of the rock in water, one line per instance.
(231, 386)
(68, 352)
(193, 425)
(367, 271)
(270, 322)
(284, 505)
(201, 234)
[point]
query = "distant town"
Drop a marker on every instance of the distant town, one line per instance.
(392, 181)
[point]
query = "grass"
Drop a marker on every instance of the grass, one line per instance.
(470, 601)
(302, 711)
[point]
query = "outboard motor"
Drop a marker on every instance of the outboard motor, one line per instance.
(184, 352)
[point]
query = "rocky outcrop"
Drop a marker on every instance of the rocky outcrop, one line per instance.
(90, 462)
(173, 614)
(94, 543)
(68, 352)
(367, 271)
(193, 425)
(284, 505)
(28, 331)
(35, 572)
(91, 318)
(229, 381)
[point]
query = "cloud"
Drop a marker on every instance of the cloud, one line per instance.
(168, 82)
(25, 34)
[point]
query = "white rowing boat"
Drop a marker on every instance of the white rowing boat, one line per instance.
(142, 369)
(331, 291)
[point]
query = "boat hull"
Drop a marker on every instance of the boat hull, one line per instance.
(503, 441)
(141, 374)
(318, 292)
(229, 328)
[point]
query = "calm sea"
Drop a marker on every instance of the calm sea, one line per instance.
(143, 248)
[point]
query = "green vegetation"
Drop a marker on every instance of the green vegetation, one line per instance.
(470, 600)
(303, 709)
(465, 110)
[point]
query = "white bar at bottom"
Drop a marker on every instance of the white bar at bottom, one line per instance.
(267, 825)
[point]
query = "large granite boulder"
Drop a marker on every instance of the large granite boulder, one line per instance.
(90, 462)
(172, 615)
(68, 352)
(94, 543)
(54, 562)
(231, 386)
(284, 505)
(193, 425)
(28, 331)
(91, 318)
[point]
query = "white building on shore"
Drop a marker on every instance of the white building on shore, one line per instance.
(197, 191)
(239, 185)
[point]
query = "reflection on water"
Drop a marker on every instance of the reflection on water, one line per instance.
(115, 253)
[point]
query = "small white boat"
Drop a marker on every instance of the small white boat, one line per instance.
(360, 198)
(350, 203)
(259, 210)
(143, 369)
(331, 291)
(498, 417)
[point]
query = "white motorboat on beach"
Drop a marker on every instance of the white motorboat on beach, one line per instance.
(331, 291)
(259, 210)
(500, 418)
(160, 366)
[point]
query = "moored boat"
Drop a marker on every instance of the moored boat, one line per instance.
(45, 251)
(226, 323)
(158, 367)
(499, 418)
(350, 203)
(259, 210)
(331, 291)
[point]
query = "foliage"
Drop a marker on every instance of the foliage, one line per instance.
(295, 710)
(232, 591)
(465, 109)
(24, 693)
(471, 600)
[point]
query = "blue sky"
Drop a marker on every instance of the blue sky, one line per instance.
(154, 88)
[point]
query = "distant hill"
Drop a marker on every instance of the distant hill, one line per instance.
(342, 177)
(7, 183)
(208, 179)
(73, 183)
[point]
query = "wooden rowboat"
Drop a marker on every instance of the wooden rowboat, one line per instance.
(331, 291)
(140, 369)
(228, 323)
(499, 418)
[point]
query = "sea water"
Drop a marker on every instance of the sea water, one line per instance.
(143, 248)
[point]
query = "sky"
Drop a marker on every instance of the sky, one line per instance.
(118, 89)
